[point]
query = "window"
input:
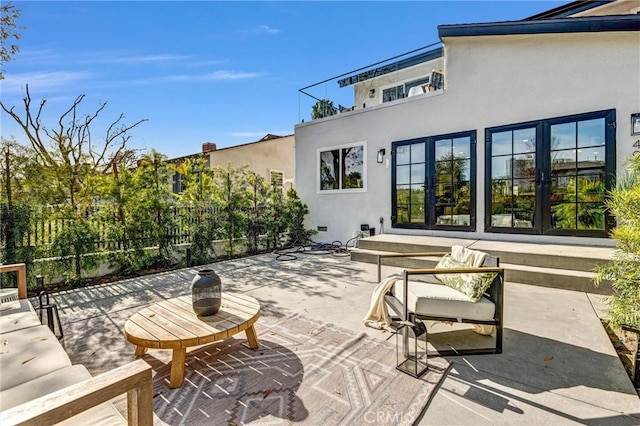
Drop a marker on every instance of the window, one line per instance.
(276, 178)
(342, 168)
(551, 176)
(402, 90)
(433, 182)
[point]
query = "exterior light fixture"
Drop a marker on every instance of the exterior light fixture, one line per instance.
(380, 157)
(372, 93)
(411, 348)
(635, 124)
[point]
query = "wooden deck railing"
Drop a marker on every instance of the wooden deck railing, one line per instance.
(21, 270)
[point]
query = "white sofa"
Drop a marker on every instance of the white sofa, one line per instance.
(39, 385)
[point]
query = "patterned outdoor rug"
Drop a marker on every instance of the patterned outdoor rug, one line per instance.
(304, 372)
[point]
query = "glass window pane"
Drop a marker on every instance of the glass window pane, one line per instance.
(524, 166)
(417, 213)
(501, 167)
(501, 191)
(402, 213)
(403, 175)
(591, 132)
(417, 173)
(462, 170)
(563, 161)
(462, 148)
(462, 191)
(329, 169)
(353, 167)
(590, 189)
(501, 143)
(402, 194)
(590, 216)
(503, 220)
(524, 140)
(417, 194)
(403, 154)
(417, 153)
(563, 136)
(563, 216)
(443, 149)
(591, 158)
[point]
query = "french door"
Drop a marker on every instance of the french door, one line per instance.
(433, 182)
(551, 176)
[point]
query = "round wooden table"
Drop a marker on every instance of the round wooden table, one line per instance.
(172, 324)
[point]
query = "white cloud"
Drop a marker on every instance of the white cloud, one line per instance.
(217, 75)
(42, 81)
(268, 29)
(151, 58)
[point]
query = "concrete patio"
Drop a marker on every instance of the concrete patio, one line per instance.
(558, 365)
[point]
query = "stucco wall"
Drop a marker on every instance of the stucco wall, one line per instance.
(489, 81)
(263, 156)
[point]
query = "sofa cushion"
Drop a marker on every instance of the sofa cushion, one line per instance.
(29, 353)
(104, 414)
(473, 284)
(16, 315)
(438, 300)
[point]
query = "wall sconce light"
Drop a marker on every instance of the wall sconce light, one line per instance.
(381, 153)
(372, 93)
(635, 124)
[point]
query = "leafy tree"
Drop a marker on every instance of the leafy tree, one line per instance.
(276, 219)
(152, 209)
(68, 158)
(15, 213)
(624, 269)
(257, 219)
(231, 188)
(296, 210)
(8, 30)
(200, 206)
(323, 108)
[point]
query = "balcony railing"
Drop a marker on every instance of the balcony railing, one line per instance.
(338, 95)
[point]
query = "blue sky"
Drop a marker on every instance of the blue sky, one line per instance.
(224, 72)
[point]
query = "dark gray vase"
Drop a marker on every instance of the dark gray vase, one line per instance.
(206, 289)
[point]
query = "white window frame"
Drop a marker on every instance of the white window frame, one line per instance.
(363, 144)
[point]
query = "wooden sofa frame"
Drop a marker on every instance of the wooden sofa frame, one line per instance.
(134, 379)
(495, 293)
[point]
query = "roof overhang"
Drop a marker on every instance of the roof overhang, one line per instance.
(546, 26)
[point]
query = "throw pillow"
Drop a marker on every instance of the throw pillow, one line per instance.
(473, 284)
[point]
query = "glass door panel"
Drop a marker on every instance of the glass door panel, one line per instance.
(551, 176)
(513, 178)
(433, 182)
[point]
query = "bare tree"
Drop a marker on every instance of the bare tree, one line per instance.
(67, 151)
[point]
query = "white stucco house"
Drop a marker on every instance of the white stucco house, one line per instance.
(507, 130)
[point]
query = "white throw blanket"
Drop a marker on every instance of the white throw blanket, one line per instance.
(378, 314)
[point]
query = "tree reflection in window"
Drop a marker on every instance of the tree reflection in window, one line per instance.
(342, 168)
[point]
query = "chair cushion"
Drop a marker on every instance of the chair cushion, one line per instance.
(438, 300)
(473, 284)
(103, 414)
(29, 353)
(16, 315)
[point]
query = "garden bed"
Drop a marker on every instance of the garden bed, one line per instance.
(625, 342)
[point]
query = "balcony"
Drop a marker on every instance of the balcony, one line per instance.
(415, 73)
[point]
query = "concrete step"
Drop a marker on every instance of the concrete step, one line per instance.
(556, 256)
(561, 278)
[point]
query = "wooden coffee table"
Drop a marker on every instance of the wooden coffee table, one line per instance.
(172, 324)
